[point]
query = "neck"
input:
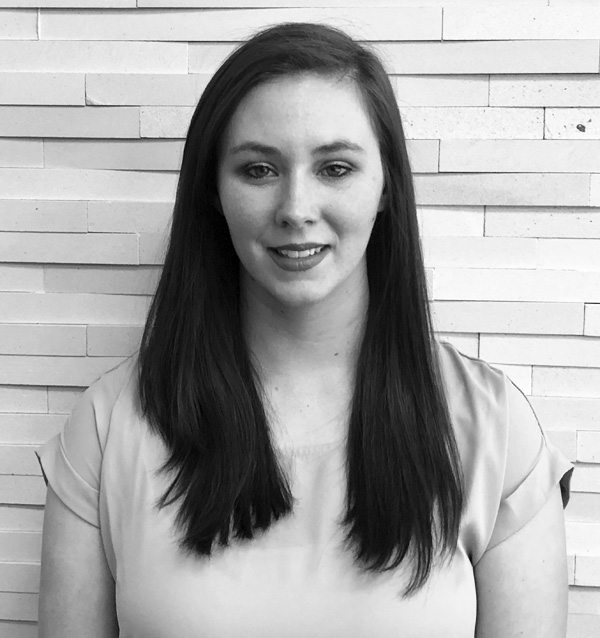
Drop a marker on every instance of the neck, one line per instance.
(309, 340)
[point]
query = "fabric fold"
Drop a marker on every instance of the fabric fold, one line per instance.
(550, 469)
(80, 497)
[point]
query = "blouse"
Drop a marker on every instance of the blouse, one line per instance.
(296, 579)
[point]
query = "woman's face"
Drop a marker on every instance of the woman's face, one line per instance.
(300, 182)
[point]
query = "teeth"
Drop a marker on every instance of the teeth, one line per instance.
(295, 254)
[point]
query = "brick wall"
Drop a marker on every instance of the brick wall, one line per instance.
(502, 108)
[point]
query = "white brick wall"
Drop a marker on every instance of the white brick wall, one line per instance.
(501, 105)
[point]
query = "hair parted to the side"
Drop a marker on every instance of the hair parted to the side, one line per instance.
(201, 394)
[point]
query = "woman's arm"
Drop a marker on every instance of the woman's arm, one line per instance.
(522, 583)
(77, 592)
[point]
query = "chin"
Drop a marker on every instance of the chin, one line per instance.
(300, 297)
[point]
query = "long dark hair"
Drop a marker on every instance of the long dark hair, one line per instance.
(199, 389)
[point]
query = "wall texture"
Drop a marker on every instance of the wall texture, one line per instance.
(501, 103)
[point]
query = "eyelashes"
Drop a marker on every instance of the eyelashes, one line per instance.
(259, 172)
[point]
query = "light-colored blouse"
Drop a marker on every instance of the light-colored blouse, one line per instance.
(295, 580)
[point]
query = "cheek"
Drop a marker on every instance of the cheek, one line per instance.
(242, 218)
(357, 215)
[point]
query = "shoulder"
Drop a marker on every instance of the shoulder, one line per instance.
(471, 381)
(492, 417)
(95, 406)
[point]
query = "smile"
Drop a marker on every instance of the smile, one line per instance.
(299, 260)
(298, 254)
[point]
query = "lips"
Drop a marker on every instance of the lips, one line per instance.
(298, 257)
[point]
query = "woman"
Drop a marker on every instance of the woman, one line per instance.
(291, 453)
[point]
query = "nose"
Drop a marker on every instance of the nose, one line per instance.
(297, 206)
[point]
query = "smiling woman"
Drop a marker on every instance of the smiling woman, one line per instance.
(292, 453)
(304, 192)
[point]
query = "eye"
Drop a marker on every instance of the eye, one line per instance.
(257, 171)
(336, 170)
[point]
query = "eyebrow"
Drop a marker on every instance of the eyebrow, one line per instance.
(334, 147)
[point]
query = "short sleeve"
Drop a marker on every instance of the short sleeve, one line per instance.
(72, 459)
(534, 468)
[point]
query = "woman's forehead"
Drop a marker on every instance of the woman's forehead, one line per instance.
(308, 109)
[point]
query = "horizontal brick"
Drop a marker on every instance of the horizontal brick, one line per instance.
(20, 577)
(588, 447)
(113, 341)
(324, 3)
(568, 254)
(42, 339)
(142, 155)
(496, 23)
(23, 399)
(595, 190)
(519, 156)
(572, 124)
(583, 538)
(14, 518)
(72, 184)
(511, 56)
(18, 606)
(72, 308)
(55, 371)
(503, 189)
(69, 248)
(152, 248)
(588, 572)
(423, 155)
(586, 478)
(21, 278)
(43, 216)
(466, 343)
(584, 600)
(19, 459)
(22, 490)
(447, 221)
(541, 350)
(376, 23)
(62, 400)
(592, 320)
(479, 252)
(508, 317)
(583, 507)
(69, 121)
(20, 546)
(147, 89)
(571, 569)
(472, 122)
(484, 284)
(29, 429)
(565, 441)
(581, 223)
(520, 375)
(42, 88)
(583, 625)
(18, 153)
(545, 90)
(561, 413)
(419, 90)
(71, 4)
(129, 217)
(206, 57)
(18, 24)
(94, 57)
(566, 382)
(165, 121)
(18, 629)
(113, 280)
